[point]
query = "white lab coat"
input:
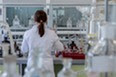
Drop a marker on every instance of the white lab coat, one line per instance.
(49, 41)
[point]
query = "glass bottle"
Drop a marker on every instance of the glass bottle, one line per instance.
(10, 67)
(69, 23)
(32, 69)
(43, 72)
(16, 22)
(67, 71)
(9, 62)
(35, 65)
(101, 59)
(94, 25)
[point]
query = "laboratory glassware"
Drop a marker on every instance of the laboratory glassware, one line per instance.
(67, 71)
(101, 59)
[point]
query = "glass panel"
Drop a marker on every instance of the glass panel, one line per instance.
(23, 14)
(62, 14)
(20, 19)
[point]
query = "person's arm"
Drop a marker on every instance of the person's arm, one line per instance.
(24, 46)
(57, 44)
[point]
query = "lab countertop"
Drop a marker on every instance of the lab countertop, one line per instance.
(56, 61)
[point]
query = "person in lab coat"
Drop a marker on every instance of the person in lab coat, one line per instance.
(39, 36)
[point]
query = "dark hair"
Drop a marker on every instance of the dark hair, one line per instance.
(40, 17)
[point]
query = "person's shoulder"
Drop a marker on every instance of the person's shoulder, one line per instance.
(52, 34)
(29, 31)
(51, 31)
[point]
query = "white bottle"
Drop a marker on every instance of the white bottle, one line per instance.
(9, 62)
(94, 25)
(35, 66)
(77, 24)
(16, 22)
(81, 25)
(10, 67)
(67, 71)
(69, 23)
(101, 59)
(93, 22)
(32, 69)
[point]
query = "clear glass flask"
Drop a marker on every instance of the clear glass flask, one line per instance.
(101, 59)
(35, 65)
(16, 22)
(10, 67)
(94, 24)
(32, 69)
(69, 23)
(9, 60)
(67, 71)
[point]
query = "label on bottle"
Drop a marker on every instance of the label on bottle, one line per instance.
(103, 63)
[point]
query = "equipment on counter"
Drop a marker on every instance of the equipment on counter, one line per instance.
(101, 59)
(69, 23)
(94, 24)
(16, 22)
(7, 45)
(71, 54)
(10, 67)
(67, 71)
(1, 53)
(35, 67)
(17, 50)
(72, 51)
(5, 38)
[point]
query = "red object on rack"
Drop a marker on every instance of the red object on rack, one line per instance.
(73, 55)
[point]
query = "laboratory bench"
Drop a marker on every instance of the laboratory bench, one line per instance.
(21, 62)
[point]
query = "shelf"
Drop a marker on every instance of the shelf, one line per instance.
(56, 61)
(69, 28)
(71, 32)
(18, 29)
(17, 33)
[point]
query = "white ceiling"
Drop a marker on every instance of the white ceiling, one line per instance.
(53, 1)
(44, 1)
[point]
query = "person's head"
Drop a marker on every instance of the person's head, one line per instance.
(41, 18)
